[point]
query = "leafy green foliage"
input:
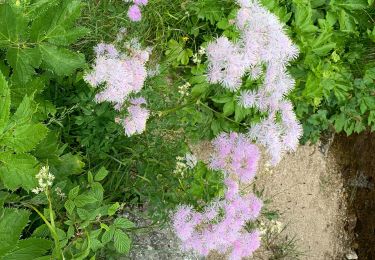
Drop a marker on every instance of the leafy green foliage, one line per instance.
(34, 36)
(12, 222)
(20, 135)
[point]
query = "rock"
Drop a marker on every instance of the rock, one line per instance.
(351, 255)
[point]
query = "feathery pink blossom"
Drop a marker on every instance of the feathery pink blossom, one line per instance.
(134, 13)
(235, 154)
(140, 2)
(226, 64)
(222, 232)
(135, 122)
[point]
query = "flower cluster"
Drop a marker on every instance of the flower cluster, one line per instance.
(122, 74)
(183, 89)
(263, 50)
(189, 161)
(135, 122)
(221, 225)
(134, 12)
(45, 180)
(235, 154)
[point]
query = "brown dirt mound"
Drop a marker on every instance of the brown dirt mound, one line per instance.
(355, 157)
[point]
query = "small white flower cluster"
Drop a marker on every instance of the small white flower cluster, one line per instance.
(273, 227)
(45, 180)
(60, 193)
(197, 57)
(183, 89)
(189, 161)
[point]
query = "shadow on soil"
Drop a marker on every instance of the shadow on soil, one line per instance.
(355, 156)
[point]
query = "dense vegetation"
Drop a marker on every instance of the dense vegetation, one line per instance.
(67, 170)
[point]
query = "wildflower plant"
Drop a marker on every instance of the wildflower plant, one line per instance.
(122, 74)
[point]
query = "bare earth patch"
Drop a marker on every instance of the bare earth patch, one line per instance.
(307, 190)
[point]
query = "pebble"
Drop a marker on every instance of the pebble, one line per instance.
(351, 255)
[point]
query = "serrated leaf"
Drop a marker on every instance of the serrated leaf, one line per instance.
(101, 174)
(73, 193)
(47, 26)
(18, 170)
(69, 206)
(24, 62)
(29, 249)
(61, 61)
(24, 111)
(12, 222)
(122, 242)
(84, 199)
(13, 25)
(4, 102)
(228, 108)
(113, 208)
(24, 138)
(123, 223)
(108, 235)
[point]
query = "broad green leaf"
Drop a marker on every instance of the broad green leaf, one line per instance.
(13, 25)
(113, 208)
(24, 111)
(228, 108)
(346, 21)
(340, 121)
(122, 242)
(353, 4)
(59, 25)
(18, 170)
(84, 199)
(73, 193)
(123, 223)
(4, 102)
(61, 61)
(24, 62)
(101, 174)
(69, 206)
(24, 138)
(108, 235)
(29, 249)
(12, 222)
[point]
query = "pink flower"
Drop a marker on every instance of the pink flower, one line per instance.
(235, 154)
(134, 13)
(140, 2)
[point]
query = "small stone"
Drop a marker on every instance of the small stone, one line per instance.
(351, 255)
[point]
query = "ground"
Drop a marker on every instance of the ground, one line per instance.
(313, 200)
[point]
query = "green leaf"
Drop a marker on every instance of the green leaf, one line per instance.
(12, 222)
(113, 208)
(73, 193)
(61, 61)
(24, 111)
(228, 108)
(200, 89)
(24, 138)
(353, 4)
(23, 62)
(57, 28)
(84, 199)
(29, 249)
(69, 206)
(340, 121)
(123, 223)
(18, 170)
(4, 102)
(108, 235)
(101, 174)
(122, 242)
(13, 25)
